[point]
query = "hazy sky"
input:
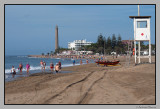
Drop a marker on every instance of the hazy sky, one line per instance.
(30, 29)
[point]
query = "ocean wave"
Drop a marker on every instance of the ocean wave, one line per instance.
(68, 65)
(24, 69)
(34, 57)
(9, 70)
(6, 76)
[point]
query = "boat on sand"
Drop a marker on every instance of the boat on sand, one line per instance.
(106, 63)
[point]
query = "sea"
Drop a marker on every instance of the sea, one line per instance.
(34, 65)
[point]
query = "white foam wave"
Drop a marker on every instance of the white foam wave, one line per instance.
(68, 65)
(6, 76)
(24, 69)
(22, 56)
(9, 70)
(34, 57)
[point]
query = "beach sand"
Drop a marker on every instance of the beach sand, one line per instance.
(87, 84)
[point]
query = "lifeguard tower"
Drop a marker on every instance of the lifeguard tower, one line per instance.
(141, 33)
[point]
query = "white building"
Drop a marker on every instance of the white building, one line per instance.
(76, 44)
(84, 52)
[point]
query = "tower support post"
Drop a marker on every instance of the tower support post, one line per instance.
(56, 38)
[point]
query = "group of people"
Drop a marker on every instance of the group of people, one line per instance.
(57, 66)
(80, 62)
(13, 70)
(43, 65)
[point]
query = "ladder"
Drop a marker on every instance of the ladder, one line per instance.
(127, 63)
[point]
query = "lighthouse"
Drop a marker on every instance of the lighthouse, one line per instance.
(56, 38)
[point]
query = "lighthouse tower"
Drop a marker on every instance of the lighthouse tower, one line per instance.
(56, 38)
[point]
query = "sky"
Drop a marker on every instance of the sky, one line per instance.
(30, 29)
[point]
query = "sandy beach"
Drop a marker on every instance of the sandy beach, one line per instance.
(87, 84)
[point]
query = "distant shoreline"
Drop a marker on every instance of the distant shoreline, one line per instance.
(64, 56)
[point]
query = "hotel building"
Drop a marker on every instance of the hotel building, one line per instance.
(76, 44)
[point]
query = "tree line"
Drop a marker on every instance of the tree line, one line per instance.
(112, 44)
(106, 46)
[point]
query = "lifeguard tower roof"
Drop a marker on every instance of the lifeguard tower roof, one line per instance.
(142, 17)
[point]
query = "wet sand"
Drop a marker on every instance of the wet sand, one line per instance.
(87, 84)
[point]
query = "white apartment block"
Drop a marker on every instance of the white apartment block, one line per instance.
(76, 44)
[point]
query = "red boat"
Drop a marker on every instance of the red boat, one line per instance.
(106, 63)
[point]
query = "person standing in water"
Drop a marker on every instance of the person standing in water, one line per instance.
(13, 71)
(20, 67)
(27, 67)
(41, 63)
(44, 65)
(57, 68)
(87, 61)
(52, 66)
(59, 63)
(74, 62)
(81, 62)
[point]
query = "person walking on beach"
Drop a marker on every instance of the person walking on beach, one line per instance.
(41, 63)
(57, 68)
(20, 67)
(44, 65)
(52, 66)
(27, 67)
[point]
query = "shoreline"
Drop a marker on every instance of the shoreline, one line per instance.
(87, 84)
(62, 56)
(24, 74)
(35, 69)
